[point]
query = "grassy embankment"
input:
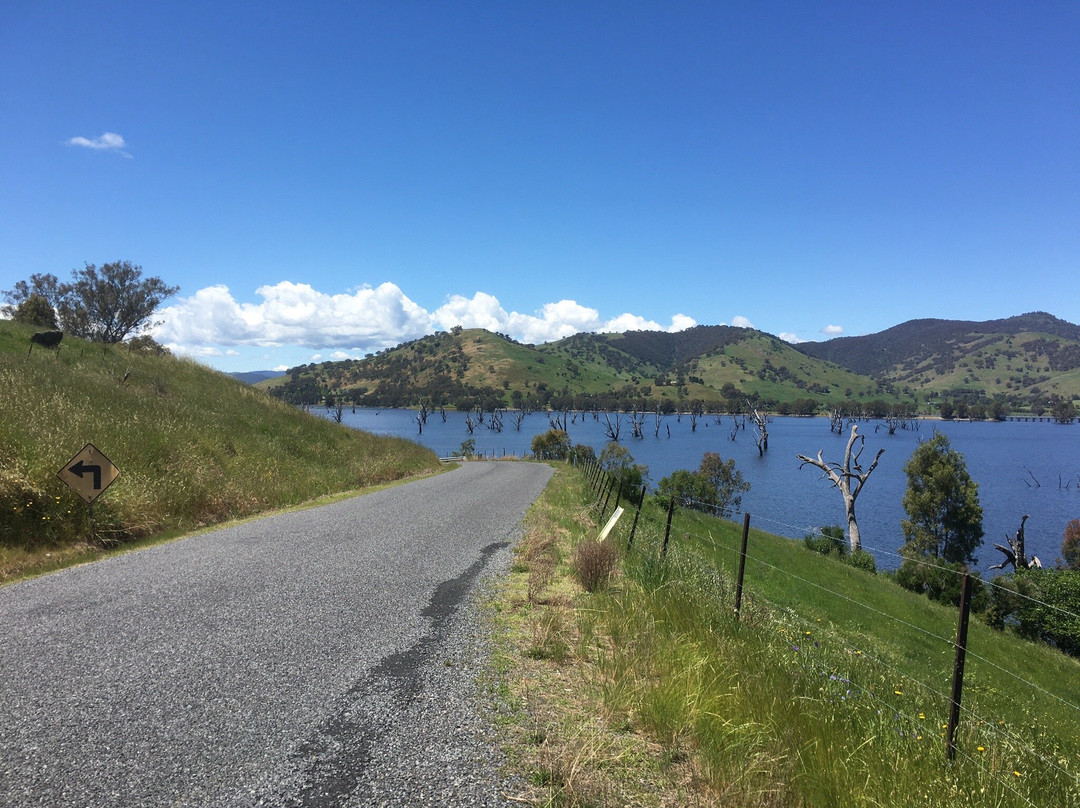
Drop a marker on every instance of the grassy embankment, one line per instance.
(832, 691)
(194, 447)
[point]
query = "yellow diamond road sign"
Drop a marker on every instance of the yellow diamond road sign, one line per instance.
(89, 473)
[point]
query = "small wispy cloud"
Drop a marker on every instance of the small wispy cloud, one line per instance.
(109, 141)
(833, 330)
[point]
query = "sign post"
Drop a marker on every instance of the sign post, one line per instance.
(88, 474)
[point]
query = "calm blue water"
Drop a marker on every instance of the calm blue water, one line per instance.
(1005, 459)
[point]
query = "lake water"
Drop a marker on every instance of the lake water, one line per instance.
(1021, 468)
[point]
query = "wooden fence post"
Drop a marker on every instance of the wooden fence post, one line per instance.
(667, 530)
(742, 565)
(958, 667)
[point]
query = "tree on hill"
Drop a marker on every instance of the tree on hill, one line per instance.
(103, 305)
(551, 445)
(716, 487)
(942, 503)
(1064, 411)
(36, 311)
(618, 461)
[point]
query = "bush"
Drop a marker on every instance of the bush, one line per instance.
(941, 581)
(580, 454)
(1041, 604)
(863, 560)
(716, 487)
(617, 461)
(593, 562)
(551, 445)
(830, 541)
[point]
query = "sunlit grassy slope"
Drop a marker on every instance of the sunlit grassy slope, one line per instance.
(193, 446)
(832, 689)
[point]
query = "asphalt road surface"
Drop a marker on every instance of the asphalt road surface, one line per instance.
(326, 657)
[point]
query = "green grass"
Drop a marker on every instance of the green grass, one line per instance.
(831, 690)
(194, 447)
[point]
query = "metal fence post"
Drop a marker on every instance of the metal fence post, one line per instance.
(742, 565)
(958, 667)
(637, 514)
(667, 529)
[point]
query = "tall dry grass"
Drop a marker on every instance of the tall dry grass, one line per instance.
(194, 446)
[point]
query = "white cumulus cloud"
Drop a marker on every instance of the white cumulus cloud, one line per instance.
(791, 339)
(366, 319)
(833, 330)
(741, 322)
(109, 141)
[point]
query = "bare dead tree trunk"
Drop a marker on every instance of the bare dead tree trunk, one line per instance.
(612, 429)
(637, 424)
(1016, 553)
(517, 418)
(761, 421)
(558, 420)
(659, 420)
(836, 421)
(848, 477)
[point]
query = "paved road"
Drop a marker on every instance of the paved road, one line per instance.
(316, 658)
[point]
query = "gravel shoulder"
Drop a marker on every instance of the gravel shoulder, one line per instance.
(318, 658)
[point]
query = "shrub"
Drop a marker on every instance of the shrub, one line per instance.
(617, 461)
(941, 581)
(716, 487)
(551, 445)
(580, 454)
(1041, 604)
(593, 562)
(829, 541)
(863, 560)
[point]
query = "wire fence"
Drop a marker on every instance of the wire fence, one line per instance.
(1035, 723)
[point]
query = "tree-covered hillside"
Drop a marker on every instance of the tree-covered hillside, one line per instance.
(707, 366)
(1027, 362)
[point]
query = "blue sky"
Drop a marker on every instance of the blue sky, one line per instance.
(326, 179)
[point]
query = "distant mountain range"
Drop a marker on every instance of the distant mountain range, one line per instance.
(1022, 362)
(256, 376)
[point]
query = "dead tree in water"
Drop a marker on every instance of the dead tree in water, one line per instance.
(558, 420)
(517, 418)
(836, 421)
(1015, 553)
(612, 429)
(849, 478)
(421, 416)
(761, 421)
(659, 420)
(637, 423)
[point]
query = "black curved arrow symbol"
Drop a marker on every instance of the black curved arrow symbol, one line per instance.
(81, 468)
